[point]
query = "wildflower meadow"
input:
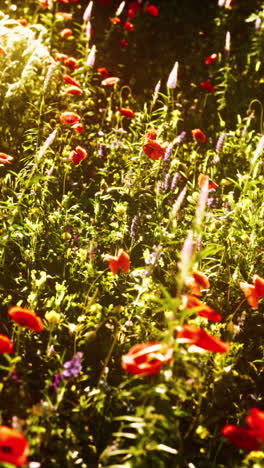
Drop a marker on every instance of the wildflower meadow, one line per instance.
(132, 233)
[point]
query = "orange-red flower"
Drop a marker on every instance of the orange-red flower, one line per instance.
(146, 359)
(115, 20)
(248, 439)
(67, 32)
(199, 337)
(14, 446)
(123, 43)
(210, 59)
(152, 10)
(69, 118)
(151, 134)
(71, 63)
(6, 345)
(127, 112)
(110, 81)
(121, 262)
(78, 155)
(26, 318)
(6, 158)
(211, 184)
(78, 127)
(129, 26)
(23, 21)
(196, 282)
(68, 79)
(241, 437)
(103, 72)
(208, 86)
(73, 90)
(198, 135)
(255, 421)
(204, 310)
(154, 150)
(133, 8)
(253, 292)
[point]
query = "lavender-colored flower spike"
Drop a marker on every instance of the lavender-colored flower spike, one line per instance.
(88, 12)
(120, 9)
(134, 226)
(88, 31)
(173, 77)
(156, 92)
(47, 143)
(166, 160)
(166, 182)
(91, 57)
(102, 152)
(227, 43)
(258, 150)
(258, 24)
(72, 369)
(174, 181)
(220, 143)
(179, 139)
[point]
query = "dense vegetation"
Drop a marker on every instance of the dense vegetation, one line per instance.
(131, 281)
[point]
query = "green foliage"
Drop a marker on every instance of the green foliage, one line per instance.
(60, 220)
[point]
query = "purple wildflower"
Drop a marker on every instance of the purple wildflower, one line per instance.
(166, 160)
(56, 382)
(166, 182)
(102, 152)
(220, 143)
(173, 77)
(72, 369)
(134, 226)
(174, 181)
(179, 139)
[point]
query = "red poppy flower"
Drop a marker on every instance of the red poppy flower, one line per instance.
(103, 72)
(123, 43)
(255, 420)
(23, 21)
(197, 281)
(202, 339)
(129, 26)
(110, 81)
(68, 79)
(127, 112)
(199, 135)
(208, 86)
(69, 118)
(6, 158)
(211, 184)
(121, 262)
(6, 345)
(154, 150)
(259, 285)
(26, 318)
(146, 359)
(73, 90)
(241, 437)
(190, 302)
(250, 292)
(78, 155)
(67, 32)
(211, 59)
(152, 134)
(71, 63)
(253, 292)
(44, 3)
(58, 57)
(14, 446)
(115, 20)
(2, 51)
(152, 10)
(133, 8)
(78, 127)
